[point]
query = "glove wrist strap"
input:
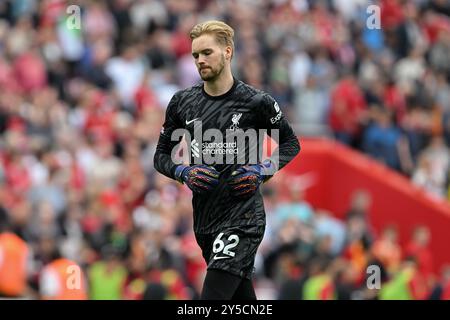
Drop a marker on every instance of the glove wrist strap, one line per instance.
(179, 173)
(268, 169)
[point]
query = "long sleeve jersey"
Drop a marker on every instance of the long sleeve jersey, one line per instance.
(226, 132)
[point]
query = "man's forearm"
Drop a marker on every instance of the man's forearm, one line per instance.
(285, 152)
(164, 164)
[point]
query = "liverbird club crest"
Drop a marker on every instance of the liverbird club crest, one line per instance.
(235, 121)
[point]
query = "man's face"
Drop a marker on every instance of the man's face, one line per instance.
(209, 57)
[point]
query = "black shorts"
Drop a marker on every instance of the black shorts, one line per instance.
(232, 249)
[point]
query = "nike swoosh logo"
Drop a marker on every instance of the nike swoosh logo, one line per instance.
(218, 258)
(189, 122)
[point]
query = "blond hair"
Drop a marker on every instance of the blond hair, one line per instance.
(223, 33)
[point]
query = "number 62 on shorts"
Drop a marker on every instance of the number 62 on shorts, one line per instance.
(225, 246)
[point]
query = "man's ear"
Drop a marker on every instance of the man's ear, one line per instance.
(228, 52)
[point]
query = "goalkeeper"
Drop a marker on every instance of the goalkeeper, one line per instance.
(229, 217)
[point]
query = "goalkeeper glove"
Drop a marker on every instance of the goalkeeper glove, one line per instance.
(245, 181)
(199, 178)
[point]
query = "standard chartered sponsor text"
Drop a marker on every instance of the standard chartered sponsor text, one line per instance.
(232, 147)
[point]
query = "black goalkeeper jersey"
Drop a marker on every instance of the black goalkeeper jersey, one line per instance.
(212, 127)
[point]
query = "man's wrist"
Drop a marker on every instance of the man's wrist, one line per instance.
(268, 169)
(179, 170)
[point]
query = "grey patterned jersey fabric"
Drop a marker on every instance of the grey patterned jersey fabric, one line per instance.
(233, 115)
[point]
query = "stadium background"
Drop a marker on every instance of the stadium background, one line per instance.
(81, 111)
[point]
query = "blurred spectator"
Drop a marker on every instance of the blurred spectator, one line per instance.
(155, 291)
(328, 226)
(387, 249)
(418, 247)
(410, 69)
(347, 111)
(345, 280)
(439, 53)
(311, 108)
(384, 141)
(320, 284)
(107, 276)
(98, 21)
(358, 243)
(297, 208)
(410, 34)
(360, 203)
(45, 224)
(14, 262)
(126, 72)
(62, 279)
(406, 284)
(434, 164)
(195, 266)
(441, 291)
(94, 70)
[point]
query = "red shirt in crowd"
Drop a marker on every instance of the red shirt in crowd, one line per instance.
(30, 72)
(347, 106)
(423, 256)
(391, 13)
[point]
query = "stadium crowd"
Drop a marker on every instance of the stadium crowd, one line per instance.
(81, 111)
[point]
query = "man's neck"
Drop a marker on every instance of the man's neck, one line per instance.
(219, 86)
